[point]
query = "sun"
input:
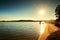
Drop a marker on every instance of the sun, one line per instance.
(41, 12)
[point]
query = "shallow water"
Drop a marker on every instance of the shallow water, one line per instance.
(19, 30)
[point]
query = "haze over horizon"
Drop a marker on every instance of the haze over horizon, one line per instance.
(27, 9)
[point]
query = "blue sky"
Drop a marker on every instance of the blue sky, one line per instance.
(27, 9)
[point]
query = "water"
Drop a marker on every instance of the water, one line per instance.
(19, 30)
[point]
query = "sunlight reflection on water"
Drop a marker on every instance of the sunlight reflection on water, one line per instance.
(42, 27)
(24, 30)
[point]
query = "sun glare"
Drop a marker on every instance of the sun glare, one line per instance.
(41, 12)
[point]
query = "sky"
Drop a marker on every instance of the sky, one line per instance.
(28, 9)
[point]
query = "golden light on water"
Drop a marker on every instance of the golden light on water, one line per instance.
(42, 27)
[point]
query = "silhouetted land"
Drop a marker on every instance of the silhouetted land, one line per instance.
(21, 21)
(49, 21)
(27, 20)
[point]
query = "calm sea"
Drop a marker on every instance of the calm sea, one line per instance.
(19, 30)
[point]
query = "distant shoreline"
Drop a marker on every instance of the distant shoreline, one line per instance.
(22, 21)
(49, 21)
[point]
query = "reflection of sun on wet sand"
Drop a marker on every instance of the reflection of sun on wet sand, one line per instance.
(50, 28)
